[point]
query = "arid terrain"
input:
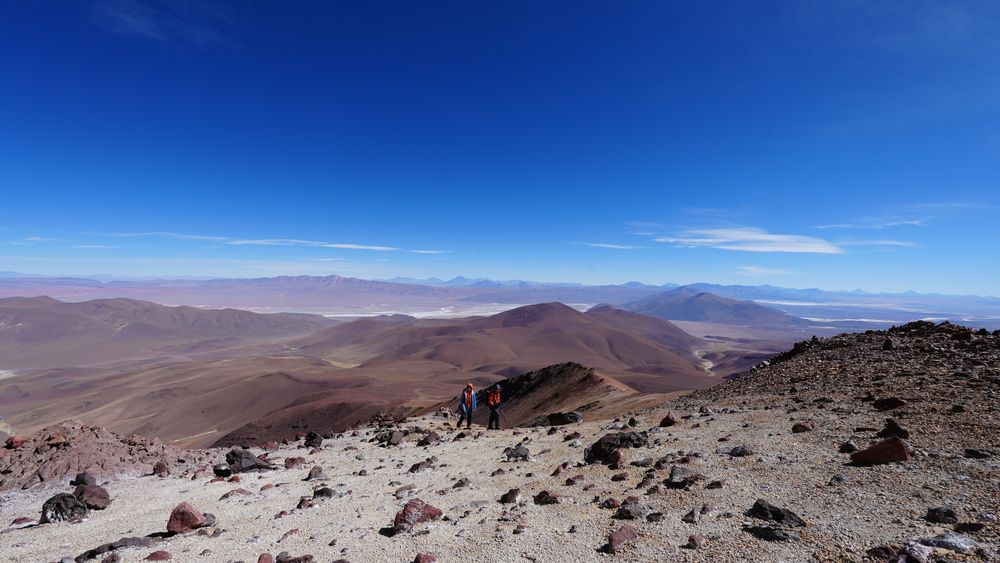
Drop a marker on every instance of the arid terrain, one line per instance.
(758, 468)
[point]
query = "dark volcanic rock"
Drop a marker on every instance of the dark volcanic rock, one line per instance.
(888, 403)
(886, 451)
(512, 496)
(517, 453)
(62, 507)
(602, 450)
(562, 418)
(546, 497)
(222, 470)
(768, 533)
(316, 473)
(429, 439)
(414, 512)
(83, 478)
(241, 460)
(94, 496)
(633, 509)
(800, 427)
(669, 420)
(941, 515)
(313, 440)
(764, 510)
(893, 430)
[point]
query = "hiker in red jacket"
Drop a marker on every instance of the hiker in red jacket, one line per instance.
(493, 401)
(466, 404)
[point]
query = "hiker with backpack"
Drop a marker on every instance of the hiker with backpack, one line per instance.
(493, 401)
(466, 405)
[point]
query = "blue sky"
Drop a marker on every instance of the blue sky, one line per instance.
(807, 144)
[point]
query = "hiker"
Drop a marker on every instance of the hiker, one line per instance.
(466, 404)
(493, 401)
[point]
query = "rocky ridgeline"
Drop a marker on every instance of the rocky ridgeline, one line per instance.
(55, 454)
(870, 447)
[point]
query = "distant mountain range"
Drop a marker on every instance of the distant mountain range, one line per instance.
(461, 296)
(689, 303)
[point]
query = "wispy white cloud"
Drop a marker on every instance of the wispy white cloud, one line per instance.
(610, 246)
(312, 243)
(750, 239)
(193, 22)
(879, 242)
(878, 224)
(761, 271)
(92, 246)
(279, 242)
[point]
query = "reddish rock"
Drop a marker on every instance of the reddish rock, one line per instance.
(669, 420)
(886, 451)
(265, 558)
(620, 538)
(546, 497)
(414, 512)
(234, 479)
(266, 486)
(185, 518)
(290, 533)
(425, 558)
(158, 555)
(15, 442)
(94, 496)
(235, 492)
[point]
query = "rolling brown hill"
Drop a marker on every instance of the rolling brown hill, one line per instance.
(648, 354)
(42, 332)
(166, 383)
(690, 304)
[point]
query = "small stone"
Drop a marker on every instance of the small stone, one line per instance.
(313, 440)
(669, 420)
(767, 511)
(222, 470)
(184, 518)
(620, 538)
(887, 451)
(848, 447)
(83, 478)
(801, 427)
(159, 555)
(941, 515)
(893, 430)
(888, 403)
(160, 469)
(512, 496)
(414, 512)
(695, 541)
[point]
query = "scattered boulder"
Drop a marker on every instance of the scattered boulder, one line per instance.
(695, 541)
(313, 440)
(602, 451)
(517, 453)
(94, 496)
(222, 470)
(545, 497)
(240, 460)
(315, 473)
(159, 555)
(429, 439)
(633, 509)
(293, 462)
(764, 510)
(941, 515)
(975, 453)
(185, 518)
(161, 469)
(61, 508)
(563, 418)
(83, 478)
(768, 533)
(512, 496)
(669, 420)
(800, 427)
(951, 541)
(888, 403)
(886, 451)
(620, 538)
(893, 430)
(848, 447)
(414, 512)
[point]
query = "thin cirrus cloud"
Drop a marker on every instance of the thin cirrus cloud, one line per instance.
(95, 246)
(877, 224)
(610, 246)
(192, 22)
(750, 239)
(278, 242)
